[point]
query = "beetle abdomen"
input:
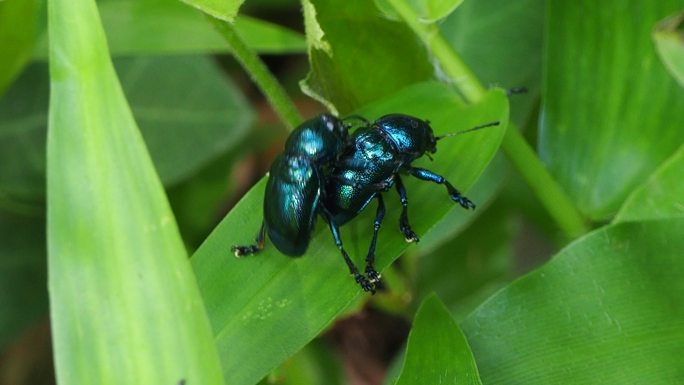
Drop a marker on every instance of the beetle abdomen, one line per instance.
(291, 203)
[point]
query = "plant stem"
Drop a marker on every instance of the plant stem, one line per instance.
(519, 152)
(257, 70)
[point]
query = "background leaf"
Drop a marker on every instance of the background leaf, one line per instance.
(427, 10)
(607, 309)
(661, 196)
(137, 27)
(18, 20)
(220, 9)
(393, 55)
(437, 352)
(668, 36)
(253, 299)
(119, 274)
(189, 114)
(611, 112)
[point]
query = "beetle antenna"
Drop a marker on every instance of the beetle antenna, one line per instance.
(468, 130)
(356, 117)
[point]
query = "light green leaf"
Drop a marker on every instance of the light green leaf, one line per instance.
(661, 196)
(220, 9)
(136, 27)
(428, 10)
(349, 69)
(17, 29)
(123, 300)
(669, 39)
(437, 352)
(266, 307)
(611, 112)
(608, 309)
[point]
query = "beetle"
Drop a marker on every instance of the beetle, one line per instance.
(292, 199)
(372, 164)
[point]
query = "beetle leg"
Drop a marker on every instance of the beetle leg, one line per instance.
(239, 251)
(404, 226)
(365, 284)
(454, 194)
(372, 274)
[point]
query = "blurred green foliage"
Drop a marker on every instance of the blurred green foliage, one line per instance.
(604, 110)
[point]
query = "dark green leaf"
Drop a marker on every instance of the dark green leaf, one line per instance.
(266, 307)
(358, 56)
(608, 309)
(437, 351)
(611, 112)
(124, 303)
(661, 196)
(669, 38)
(188, 111)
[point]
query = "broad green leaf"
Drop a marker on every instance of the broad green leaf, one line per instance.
(220, 9)
(437, 352)
(357, 56)
(189, 114)
(608, 309)
(23, 275)
(501, 41)
(427, 10)
(669, 39)
(266, 307)
(661, 196)
(137, 27)
(18, 20)
(611, 112)
(123, 300)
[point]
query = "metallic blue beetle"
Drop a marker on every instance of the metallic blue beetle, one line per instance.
(372, 163)
(292, 199)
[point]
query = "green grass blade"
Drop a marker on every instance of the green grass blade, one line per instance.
(608, 309)
(221, 9)
(266, 307)
(125, 308)
(611, 112)
(437, 351)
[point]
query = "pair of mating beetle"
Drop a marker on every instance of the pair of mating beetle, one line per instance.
(325, 170)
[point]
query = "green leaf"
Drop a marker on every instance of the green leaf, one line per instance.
(669, 39)
(348, 69)
(661, 196)
(501, 41)
(220, 9)
(189, 114)
(427, 10)
(23, 274)
(266, 307)
(469, 267)
(17, 30)
(437, 351)
(169, 27)
(611, 112)
(123, 300)
(607, 309)
(189, 111)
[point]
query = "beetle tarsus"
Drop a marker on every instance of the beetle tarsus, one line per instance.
(365, 284)
(373, 275)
